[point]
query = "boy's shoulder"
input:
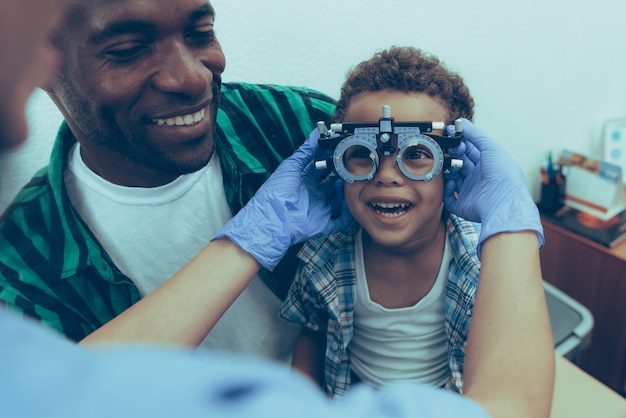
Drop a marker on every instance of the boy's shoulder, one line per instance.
(463, 236)
(324, 248)
(462, 225)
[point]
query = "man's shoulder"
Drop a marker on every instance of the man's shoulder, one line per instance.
(241, 91)
(35, 194)
(44, 189)
(267, 120)
(273, 102)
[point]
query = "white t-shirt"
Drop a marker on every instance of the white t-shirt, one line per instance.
(400, 344)
(151, 233)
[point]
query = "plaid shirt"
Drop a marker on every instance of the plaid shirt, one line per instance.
(321, 298)
(53, 269)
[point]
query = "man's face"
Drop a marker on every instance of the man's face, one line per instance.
(27, 59)
(140, 87)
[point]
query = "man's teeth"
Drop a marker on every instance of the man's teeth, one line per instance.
(390, 210)
(184, 120)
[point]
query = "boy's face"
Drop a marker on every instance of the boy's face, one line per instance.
(394, 210)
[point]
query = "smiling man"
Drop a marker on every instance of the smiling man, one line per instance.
(154, 157)
(141, 92)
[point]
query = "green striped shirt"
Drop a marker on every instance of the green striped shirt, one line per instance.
(53, 269)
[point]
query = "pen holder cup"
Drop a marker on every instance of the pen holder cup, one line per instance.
(551, 198)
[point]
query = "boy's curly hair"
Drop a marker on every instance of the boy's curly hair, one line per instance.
(407, 69)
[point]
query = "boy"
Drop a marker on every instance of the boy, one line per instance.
(392, 298)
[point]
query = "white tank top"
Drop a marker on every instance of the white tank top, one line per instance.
(400, 344)
(151, 233)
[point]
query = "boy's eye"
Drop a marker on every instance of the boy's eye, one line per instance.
(358, 160)
(358, 152)
(417, 152)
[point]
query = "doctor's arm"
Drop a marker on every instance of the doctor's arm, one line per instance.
(293, 205)
(509, 363)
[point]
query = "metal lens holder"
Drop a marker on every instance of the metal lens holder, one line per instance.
(342, 136)
(414, 139)
(366, 141)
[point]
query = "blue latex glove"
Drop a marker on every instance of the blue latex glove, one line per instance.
(293, 205)
(490, 188)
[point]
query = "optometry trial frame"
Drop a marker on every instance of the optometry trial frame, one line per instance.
(358, 147)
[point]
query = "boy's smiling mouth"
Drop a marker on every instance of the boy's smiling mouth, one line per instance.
(390, 210)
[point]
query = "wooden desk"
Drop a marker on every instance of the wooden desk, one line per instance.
(595, 276)
(576, 394)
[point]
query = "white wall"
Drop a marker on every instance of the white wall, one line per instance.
(545, 74)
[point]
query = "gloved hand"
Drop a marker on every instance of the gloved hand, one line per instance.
(293, 205)
(490, 188)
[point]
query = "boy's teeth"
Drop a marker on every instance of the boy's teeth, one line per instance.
(390, 210)
(184, 120)
(391, 205)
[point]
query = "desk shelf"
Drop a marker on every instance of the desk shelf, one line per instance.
(595, 276)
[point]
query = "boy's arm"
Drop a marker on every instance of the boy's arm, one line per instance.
(509, 362)
(308, 356)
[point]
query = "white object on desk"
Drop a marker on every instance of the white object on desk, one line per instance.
(592, 186)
